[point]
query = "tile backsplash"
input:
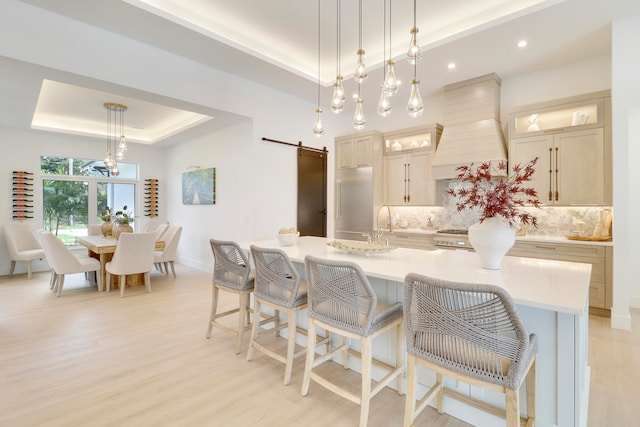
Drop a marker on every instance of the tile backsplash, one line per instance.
(552, 221)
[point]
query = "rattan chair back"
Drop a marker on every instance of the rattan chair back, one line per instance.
(472, 329)
(340, 295)
(276, 279)
(231, 268)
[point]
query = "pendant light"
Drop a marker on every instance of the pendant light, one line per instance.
(360, 75)
(116, 141)
(413, 54)
(318, 128)
(415, 106)
(337, 101)
(390, 85)
(358, 117)
(384, 103)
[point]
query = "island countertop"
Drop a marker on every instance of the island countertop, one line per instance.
(546, 284)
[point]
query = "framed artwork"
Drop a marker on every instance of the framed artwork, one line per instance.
(199, 187)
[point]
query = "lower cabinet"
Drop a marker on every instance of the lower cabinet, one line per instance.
(600, 258)
(410, 240)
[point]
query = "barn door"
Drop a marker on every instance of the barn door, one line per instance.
(312, 192)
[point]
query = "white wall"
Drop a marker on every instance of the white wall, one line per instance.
(625, 65)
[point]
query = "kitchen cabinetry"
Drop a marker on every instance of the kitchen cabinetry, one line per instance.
(572, 139)
(357, 151)
(600, 257)
(407, 166)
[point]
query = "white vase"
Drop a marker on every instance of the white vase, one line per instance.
(491, 240)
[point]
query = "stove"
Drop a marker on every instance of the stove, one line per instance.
(452, 239)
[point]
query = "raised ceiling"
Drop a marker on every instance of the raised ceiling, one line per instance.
(275, 43)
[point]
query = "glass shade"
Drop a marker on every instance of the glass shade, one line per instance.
(360, 75)
(384, 105)
(358, 117)
(413, 54)
(415, 106)
(337, 101)
(318, 128)
(390, 85)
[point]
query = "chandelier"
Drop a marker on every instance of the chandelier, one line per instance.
(116, 141)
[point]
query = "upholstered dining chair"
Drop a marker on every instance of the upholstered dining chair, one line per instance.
(232, 273)
(166, 256)
(343, 302)
(471, 333)
(279, 287)
(133, 255)
(63, 261)
(22, 246)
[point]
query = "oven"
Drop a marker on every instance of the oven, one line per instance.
(452, 239)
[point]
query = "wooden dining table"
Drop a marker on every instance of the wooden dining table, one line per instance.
(102, 248)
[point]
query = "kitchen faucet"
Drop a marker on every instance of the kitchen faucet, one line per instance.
(379, 232)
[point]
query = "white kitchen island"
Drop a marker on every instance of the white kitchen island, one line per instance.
(551, 296)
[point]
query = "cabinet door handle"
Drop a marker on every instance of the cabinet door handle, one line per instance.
(557, 177)
(339, 191)
(409, 183)
(405, 184)
(550, 173)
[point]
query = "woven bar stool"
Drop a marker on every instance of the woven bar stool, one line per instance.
(232, 273)
(471, 333)
(343, 302)
(278, 285)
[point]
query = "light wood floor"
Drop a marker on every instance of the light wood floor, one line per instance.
(94, 359)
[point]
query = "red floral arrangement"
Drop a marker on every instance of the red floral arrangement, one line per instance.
(497, 197)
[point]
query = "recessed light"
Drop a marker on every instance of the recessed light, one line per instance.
(522, 43)
(451, 65)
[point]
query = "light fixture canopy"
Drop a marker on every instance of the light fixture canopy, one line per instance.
(116, 140)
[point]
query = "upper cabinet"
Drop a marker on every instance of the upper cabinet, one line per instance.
(572, 139)
(356, 151)
(407, 166)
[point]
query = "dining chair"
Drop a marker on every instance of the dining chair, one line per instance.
(471, 333)
(63, 261)
(133, 255)
(232, 273)
(166, 256)
(279, 287)
(343, 302)
(22, 246)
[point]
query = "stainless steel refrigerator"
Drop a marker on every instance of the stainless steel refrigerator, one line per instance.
(354, 203)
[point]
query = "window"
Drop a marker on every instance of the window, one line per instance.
(76, 191)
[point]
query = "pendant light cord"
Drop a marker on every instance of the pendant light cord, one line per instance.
(338, 37)
(319, 53)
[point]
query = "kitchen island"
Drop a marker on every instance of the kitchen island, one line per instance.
(552, 300)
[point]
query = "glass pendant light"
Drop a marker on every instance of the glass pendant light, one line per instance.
(360, 75)
(390, 85)
(384, 103)
(413, 54)
(358, 117)
(337, 101)
(318, 127)
(415, 106)
(115, 113)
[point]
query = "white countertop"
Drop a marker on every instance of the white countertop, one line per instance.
(525, 238)
(551, 285)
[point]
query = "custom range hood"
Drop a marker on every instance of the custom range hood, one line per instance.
(472, 131)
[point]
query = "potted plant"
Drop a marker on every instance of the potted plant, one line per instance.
(498, 201)
(122, 220)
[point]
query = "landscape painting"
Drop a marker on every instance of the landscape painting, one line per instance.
(199, 187)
